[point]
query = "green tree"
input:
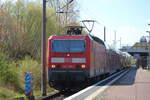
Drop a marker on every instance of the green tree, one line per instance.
(21, 28)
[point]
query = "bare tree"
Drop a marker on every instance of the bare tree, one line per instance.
(66, 10)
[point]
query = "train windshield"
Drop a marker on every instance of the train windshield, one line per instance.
(68, 45)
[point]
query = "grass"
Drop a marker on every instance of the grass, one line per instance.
(37, 92)
(7, 94)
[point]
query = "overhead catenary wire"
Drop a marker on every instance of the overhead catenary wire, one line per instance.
(87, 12)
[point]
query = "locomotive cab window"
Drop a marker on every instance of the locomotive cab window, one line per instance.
(68, 45)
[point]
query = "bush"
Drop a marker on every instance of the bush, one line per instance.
(8, 73)
(30, 65)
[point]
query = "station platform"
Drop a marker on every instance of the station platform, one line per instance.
(135, 85)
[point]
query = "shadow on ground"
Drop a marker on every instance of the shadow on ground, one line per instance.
(128, 78)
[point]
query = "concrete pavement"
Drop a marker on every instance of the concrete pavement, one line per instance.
(135, 85)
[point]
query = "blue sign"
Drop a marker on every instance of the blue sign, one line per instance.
(28, 83)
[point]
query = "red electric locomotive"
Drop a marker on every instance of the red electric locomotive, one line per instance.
(75, 58)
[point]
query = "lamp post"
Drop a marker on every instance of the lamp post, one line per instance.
(148, 50)
(104, 34)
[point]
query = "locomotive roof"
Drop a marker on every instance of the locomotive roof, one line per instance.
(107, 46)
(126, 54)
(98, 40)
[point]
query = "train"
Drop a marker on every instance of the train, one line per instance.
(75, 58)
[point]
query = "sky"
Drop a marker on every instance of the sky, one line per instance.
(129, 18)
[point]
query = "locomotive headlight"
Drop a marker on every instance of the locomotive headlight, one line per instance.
(82, 66)
(53, 66)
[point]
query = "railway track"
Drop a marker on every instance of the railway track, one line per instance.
(58, 95)
(71, 95)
